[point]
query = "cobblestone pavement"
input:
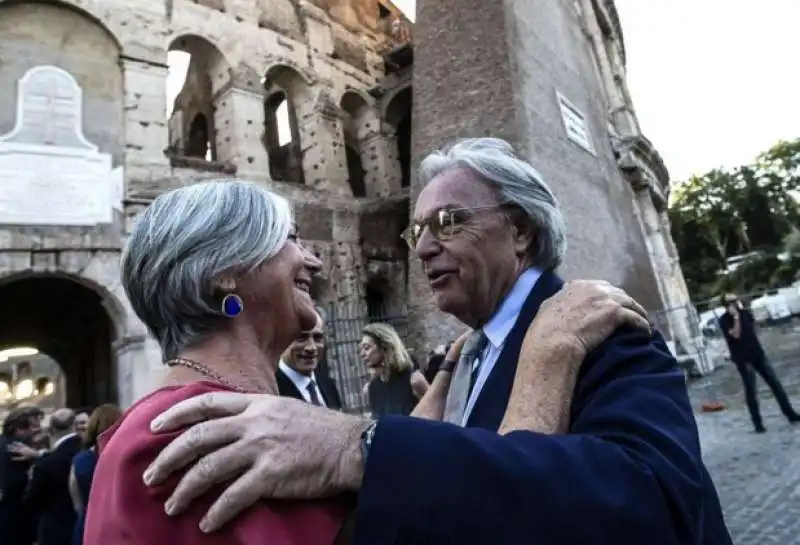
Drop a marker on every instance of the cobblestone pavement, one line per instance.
(757, 476)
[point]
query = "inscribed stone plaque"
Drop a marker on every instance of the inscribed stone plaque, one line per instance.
(49, 173)
(49, 109)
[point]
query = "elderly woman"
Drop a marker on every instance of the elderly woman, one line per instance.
(395, 386)
(217, 274)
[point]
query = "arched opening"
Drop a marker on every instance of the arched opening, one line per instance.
(199, 141)
(356, 124)
(66, 321)
(196, 70)
(375, 298)
(286, 93)
(398, 115)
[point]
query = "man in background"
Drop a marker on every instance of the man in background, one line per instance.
(738, 326)
(48, 492)
(296, 374)
(20, 428)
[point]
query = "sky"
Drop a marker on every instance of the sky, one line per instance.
(714, 82)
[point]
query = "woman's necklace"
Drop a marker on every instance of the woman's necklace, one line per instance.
(203, 370)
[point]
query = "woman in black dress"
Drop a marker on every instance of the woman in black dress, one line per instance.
(395, 386)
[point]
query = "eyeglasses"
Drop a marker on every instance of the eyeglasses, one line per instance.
(444, 224)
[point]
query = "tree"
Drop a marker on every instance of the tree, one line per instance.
(726, 212)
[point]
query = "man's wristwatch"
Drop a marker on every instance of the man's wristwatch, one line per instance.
(366, 440)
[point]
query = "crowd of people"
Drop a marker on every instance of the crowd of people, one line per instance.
(46, 471)
(558, 401)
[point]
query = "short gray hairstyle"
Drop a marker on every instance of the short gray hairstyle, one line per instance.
(185, 242)
(516, 182)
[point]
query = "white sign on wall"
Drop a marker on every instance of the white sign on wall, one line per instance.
(49, 173)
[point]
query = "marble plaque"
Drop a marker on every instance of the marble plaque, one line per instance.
(49, 173)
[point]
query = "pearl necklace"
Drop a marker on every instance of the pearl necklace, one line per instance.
(203, 370)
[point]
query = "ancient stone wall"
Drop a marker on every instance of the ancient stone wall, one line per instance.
(277, 92)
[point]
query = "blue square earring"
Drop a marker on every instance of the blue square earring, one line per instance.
(232, 305)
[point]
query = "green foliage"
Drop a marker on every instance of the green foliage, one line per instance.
(728, 212)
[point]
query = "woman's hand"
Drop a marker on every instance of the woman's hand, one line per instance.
(567, 327)
(431, 406)
(584, 314)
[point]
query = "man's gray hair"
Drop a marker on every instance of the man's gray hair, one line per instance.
(185, 242)
(516, 182)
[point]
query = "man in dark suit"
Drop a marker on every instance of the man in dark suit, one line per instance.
(489, 234)
(738, 326)
(296, 374)
(17, 523)
(48, 491)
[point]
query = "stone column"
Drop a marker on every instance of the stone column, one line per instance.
(139, 368)
(239, 122)
(322, 141)
(380, 162)
(146, 131)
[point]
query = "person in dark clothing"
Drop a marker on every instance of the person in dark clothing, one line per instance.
(17, 523)
(738, 326)
(396, 385)
(48, 491)
(84, 463)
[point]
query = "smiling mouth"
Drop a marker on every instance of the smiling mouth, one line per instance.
(303, 285)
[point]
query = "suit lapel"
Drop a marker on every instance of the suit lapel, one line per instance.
(286, 387)
(492, 402)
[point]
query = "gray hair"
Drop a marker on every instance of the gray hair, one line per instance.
(185, 242)
(516, 182)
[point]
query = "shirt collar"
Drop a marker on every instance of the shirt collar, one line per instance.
(500, 325)
(62, 439)
(300, 380)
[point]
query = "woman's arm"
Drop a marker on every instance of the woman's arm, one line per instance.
(431, 406)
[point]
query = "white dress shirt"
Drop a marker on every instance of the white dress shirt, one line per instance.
(497, 330)
(302, 381)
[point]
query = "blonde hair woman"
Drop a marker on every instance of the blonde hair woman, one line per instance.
(395, 386)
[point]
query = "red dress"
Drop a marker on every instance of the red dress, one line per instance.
(123, 511)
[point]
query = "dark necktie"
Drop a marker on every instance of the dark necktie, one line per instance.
(312, 392)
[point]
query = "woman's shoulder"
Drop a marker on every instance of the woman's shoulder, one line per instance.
(120, 505)
(133, 428)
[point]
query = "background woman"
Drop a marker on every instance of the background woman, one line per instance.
(216, 273)
(395, 386)
(83, 464)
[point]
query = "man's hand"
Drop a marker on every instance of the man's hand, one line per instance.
(584, 313)
(275, 447)
(21, 451)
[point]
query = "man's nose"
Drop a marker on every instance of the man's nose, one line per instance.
(427, 245)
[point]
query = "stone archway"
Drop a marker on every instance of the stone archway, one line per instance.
(68, 321)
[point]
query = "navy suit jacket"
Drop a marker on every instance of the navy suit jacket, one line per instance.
(628, 471)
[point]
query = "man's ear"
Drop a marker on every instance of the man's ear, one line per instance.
(523, 236)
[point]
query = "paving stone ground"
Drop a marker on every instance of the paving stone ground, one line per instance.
(757, 476)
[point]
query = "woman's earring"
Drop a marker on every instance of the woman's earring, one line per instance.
(232, 305)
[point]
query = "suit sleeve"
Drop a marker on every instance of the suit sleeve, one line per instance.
(36, 493)
(629, 471)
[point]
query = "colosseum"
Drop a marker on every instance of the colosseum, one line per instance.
(103, 105)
